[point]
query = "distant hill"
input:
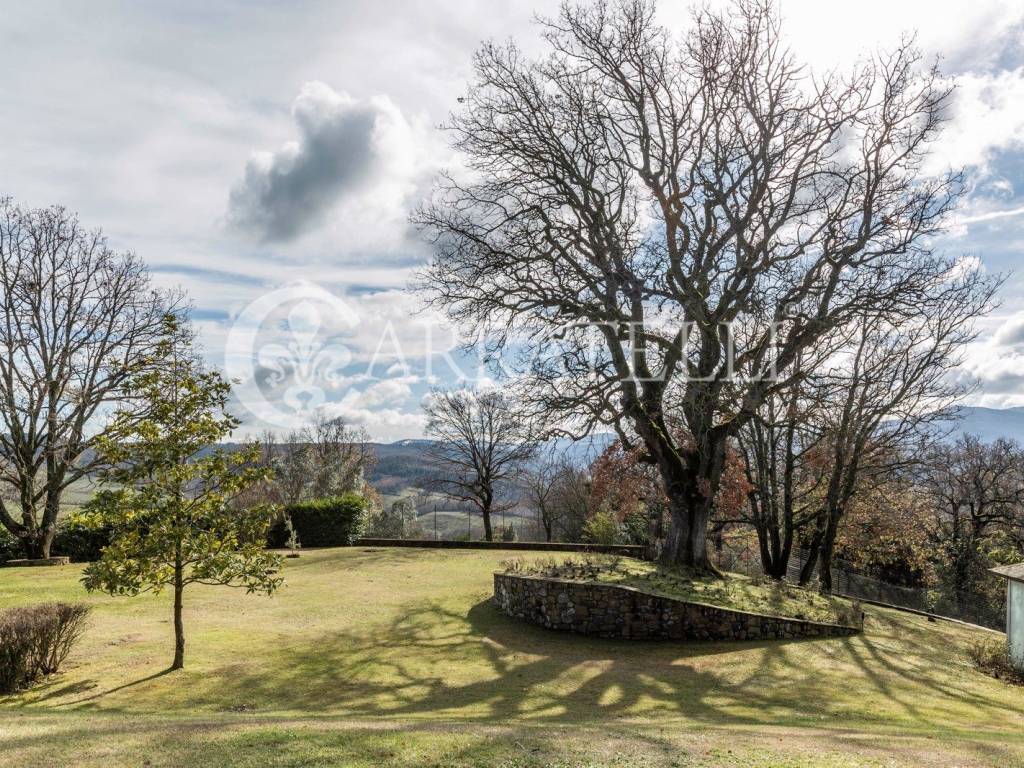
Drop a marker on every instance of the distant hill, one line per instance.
(991, 423)
(406, 463)
(400, 465)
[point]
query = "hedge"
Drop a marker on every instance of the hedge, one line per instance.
(10, 546)
(332, 522)
(81, 542)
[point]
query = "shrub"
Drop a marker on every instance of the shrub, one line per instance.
(10, 546)
(81, 538)
(36, 640)
(849, 614)
(509, 533)
(636, 526)
(512, 565)
(332, 522)
(992, 656)
(292, 542)
(602, 528)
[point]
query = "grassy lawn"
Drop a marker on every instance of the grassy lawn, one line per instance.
(739, 592)
(395, 657)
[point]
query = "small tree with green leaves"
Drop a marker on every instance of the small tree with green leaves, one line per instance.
(168, 498)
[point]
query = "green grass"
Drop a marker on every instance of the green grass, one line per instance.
(395, 657)
(737, 591)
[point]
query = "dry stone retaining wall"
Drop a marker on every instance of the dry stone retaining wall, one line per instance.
(608, 610)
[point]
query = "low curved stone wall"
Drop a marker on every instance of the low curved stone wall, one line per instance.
(608, 610)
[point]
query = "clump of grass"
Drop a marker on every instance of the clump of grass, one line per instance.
(512, 565)
(992, 656)
(850, 614)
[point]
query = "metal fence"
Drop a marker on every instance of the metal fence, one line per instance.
(986, 608)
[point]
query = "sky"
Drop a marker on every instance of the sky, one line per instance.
(265, 157)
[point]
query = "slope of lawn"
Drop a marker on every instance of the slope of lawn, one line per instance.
(738, 592)
(395, 657)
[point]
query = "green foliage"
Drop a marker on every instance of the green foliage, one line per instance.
(395, 522)
(332, 522)
(35, 641)
(636, 527)
(167, 503)
(82, 537)
(965, 587)
(509, 533)
(602, 528)
(10, 546)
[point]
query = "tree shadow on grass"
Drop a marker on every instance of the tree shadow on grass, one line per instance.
(483, 666)
(889, 670)
(434, 661)
(86, 685)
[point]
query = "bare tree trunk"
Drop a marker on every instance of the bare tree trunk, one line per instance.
(179, 626)
(50, 515)
(37, 543)
(691, 502)
(825, 570)
(485, 512)
(807, 572)
(774, 553)
(686, 543)
(31, 543)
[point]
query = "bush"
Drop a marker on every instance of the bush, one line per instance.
(602, 528)
(332, 522)
(81, 539)
(36, 640)
(992, 656)
(76, 538)
(849, 614)
(636, 526)
(10, 546)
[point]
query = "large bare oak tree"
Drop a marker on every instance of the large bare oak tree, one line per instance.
(662, 224)
(76, 321)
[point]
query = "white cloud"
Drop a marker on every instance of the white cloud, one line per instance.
(985, 117)
(1011, 332)
(363, 154)
(990, 216)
